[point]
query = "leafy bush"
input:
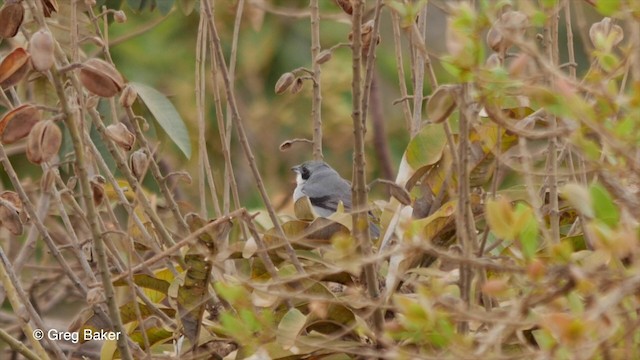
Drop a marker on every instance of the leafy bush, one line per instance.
(510, 228)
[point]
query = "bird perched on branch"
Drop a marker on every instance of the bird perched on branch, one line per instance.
(325, 189)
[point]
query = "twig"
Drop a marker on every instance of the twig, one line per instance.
(359, 187)
(155, 172)
(203, 160)
(189, 239)
(19, 301)
(551, 31)
(235, 115)
(316, 100)
(465, 226)
(19, 346)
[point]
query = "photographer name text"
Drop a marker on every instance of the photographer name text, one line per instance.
(76, 336)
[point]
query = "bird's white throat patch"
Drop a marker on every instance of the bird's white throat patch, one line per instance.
(297, 193)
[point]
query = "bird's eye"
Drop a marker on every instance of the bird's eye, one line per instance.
(304, 172)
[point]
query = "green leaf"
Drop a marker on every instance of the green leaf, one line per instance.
(500, 215)
(426, 147)
(166, 116)
(290, 327)
(232, 293)
(147, 282)
(603, 206)
(187, 6)
(578, 197)
(528, 231)
(135, 5)
(165, 6)
(608, 7)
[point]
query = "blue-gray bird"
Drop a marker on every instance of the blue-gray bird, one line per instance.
(325, 189)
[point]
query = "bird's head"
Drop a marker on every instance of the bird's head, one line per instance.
(305, 170)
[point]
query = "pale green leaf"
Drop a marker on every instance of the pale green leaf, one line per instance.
(426, 147)
(290, 327)
(166, 115)
(603, 206)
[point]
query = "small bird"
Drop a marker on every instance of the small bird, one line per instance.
(325, 189)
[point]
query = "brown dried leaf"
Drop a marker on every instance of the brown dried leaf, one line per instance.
(17, 123)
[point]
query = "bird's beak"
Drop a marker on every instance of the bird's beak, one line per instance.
(296, 168)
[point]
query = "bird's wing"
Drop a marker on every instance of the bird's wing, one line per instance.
(333, 190)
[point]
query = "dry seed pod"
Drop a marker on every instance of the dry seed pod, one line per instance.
(511, 24)
(44, 142)
(297, 86)
(11, 16)
(13, 198)
(494, 39)
(72, 182)
(41, 48)
(17, 123)
(92, 101)
(49, 6)
(11, 212)
(441, 103)
(345, 5)
(605, 29)
(47, 180)
(519, 65)
(97, 189)
(366, 34)
(120, 17)
(138, 162)
(101, 78)
(128, 96)
(324, 56)
(10, 218)
(14, 67)
(284, 82)
(493, 61)
(121, 136)
(95, 296)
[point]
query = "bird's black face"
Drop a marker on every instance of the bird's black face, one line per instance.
(304, 172)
